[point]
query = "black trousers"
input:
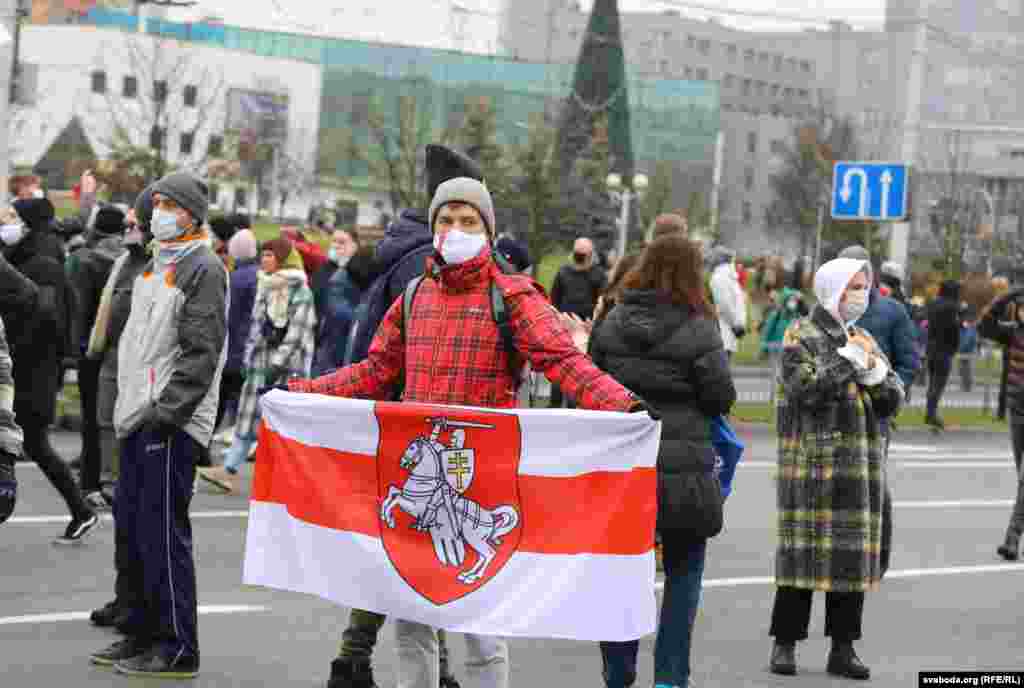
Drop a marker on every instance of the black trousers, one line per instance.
(791, 614)
(92, 458)
(231, 382)
(939, 367)
(38, 448)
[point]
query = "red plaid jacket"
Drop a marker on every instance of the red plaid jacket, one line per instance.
(452, 352)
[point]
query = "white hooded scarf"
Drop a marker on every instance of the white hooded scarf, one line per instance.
(830, 282)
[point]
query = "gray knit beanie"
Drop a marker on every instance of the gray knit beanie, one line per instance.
(465, 190)
(187, 191)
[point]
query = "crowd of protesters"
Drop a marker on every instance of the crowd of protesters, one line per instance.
(178, 323)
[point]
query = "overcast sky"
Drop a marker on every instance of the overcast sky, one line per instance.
(429, 22)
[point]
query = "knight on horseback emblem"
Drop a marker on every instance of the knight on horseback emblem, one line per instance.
(434, 495)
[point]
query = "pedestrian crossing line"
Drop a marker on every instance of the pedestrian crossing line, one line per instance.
(84, 616)
(953, 504)
(762, 465)
(24, 520)
(904, 573)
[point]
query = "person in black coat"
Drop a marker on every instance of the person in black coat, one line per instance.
(663, 343)
(38, 344)
(943, 343)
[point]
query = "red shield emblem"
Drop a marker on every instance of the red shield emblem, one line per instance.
(448, 482)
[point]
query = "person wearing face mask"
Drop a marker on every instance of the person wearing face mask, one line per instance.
(38, 345)
(575, 292)
(170, 358)
(836, 386)
(344, 244)
(111, 316)
(338, 299)
(426, 352)
(789, 306)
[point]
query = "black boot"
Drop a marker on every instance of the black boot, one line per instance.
(784, 659)
(350, 673)
(1010, 549)
(843, 661)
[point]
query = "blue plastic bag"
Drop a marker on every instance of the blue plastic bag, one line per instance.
(728, 452)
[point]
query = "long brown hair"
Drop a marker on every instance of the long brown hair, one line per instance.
(672, 266)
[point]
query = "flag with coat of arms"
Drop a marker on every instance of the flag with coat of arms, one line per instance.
(513, 522)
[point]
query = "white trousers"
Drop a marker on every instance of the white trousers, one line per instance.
(418, 658)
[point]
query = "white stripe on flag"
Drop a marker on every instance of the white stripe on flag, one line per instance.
(529, 596)
(317, 420)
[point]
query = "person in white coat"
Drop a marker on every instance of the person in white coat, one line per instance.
(729, 298)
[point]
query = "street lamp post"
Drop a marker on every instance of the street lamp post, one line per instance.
(625, 196)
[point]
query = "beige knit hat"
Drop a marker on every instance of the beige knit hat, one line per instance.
(465, 190)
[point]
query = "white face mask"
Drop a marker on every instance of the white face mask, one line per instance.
(855, 305)
(38, 193)
(458, 246)
(12, 234)
(165, 226)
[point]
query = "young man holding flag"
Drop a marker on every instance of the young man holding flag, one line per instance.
(448, 349)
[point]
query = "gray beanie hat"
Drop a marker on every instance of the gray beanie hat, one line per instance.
(465, 190)
(187, 191)
(857, 252)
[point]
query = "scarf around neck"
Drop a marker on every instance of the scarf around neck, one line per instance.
(166, 254)
(278, 288)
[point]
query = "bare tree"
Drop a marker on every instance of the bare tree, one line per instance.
(296, 168)
(163, 113)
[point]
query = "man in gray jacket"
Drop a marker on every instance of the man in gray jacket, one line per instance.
(170, 359)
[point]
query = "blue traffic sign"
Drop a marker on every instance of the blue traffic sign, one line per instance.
(869, 191)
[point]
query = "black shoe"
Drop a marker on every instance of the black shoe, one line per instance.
(153, 664)
(449, 682)
(78, 529)
(106, 616)
(843, 661)
(348, 673)
(1010, 549)
(117, 652)
(784, 659)
(935, 422)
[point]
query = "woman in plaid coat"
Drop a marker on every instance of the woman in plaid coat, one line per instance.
(280, 346)
(835, 387)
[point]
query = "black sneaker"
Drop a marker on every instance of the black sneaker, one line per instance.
(153, 664)
(449, 682)
(106, 616)
(346, 673)
(117, 652)
(77, 530)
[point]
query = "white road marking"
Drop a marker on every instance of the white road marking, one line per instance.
(84, 616)
(916, 448)
(961, 504)
(905, 573)
(108, 517)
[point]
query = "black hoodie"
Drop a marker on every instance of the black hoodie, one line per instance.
(944, 321)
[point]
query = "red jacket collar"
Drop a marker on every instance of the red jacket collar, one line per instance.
(462, 277)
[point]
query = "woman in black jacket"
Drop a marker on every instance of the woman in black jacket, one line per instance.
(38, 341)
(662, 342)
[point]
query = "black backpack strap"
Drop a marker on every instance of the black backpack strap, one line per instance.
(407, 298)
(499, 311)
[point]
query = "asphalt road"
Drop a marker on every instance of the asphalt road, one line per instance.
(949, 603)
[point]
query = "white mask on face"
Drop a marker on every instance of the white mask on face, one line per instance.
(855, 305)
(38, 193)
(458, 246)
(12, 234)
(165, 225)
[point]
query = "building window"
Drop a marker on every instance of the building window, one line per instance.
(688, 72)
(191, 95)
(752, 142)
(748, 179)
(663, 66)
(748, 56)
(704, 46)
(160, 91)
(360, 109)
(747, 83)
(775, 90)
(574, 34)
(805, 66)
(691, 42)
(748, 213)
(215, 148)
(702, 73)
(156, 138)
(733, 52)
(777, 63)
(765, 58)
(187, 139)
(778, 146)
(760, 88)
(130, 87)
(99, 82)
(729, 81)
(804, 94)
(787, 93)
(791, 64)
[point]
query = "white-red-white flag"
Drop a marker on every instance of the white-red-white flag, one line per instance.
(496, 522)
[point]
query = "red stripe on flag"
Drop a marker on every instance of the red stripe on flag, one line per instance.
(596, 513)
(321, 486)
